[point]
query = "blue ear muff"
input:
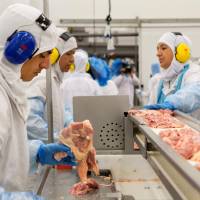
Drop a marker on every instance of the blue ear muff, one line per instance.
(19, 47)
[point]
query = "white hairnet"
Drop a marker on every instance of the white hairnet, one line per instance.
(22, 17)
(65, 46)
(173, 40)
(80, 60)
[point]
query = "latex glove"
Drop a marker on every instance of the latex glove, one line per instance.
(46, 153)
(165, 105)
(19, 196)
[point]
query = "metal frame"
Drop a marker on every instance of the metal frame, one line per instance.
(133, 22)
(166, 162)
(49, 109)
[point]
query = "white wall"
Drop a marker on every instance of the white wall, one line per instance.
(124, 9)
(129, 9)
(5, 3)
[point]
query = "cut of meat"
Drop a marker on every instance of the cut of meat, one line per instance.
(79, 137)
(83, 188)
(185, 141)
(157, 118)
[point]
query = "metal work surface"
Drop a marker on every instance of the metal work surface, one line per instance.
(59, 183)
(106, 114)
(132, 178)
(133, 175)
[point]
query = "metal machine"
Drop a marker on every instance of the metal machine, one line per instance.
(154, 172)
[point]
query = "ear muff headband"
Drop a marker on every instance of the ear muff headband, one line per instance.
(19, 47)
(182, 51)
(54, 56)
(65, 36)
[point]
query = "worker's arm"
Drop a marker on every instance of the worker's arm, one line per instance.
(37, 126)
(18, 195)
(135, 79)
(187, 99)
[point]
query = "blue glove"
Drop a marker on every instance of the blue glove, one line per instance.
(165, 105)
(46, 153)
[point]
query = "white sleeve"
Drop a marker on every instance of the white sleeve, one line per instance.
(136, 80)
(5, 119)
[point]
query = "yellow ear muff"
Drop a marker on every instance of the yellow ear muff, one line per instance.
(54, 56)
(182, 53)
(72, 68)
(87, 68)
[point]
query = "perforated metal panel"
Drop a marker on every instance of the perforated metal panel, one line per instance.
(111, 136)
(106, 113)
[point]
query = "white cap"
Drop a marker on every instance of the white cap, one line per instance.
(173, 40)
(80, 60)
(22, 17)
(65, 46)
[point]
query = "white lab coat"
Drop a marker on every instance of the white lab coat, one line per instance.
(37, 90)
(125, 85)
(109, 89)
(14, 156)
(79, 84)
(187, 99)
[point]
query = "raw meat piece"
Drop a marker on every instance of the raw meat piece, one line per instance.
(185, 141)
(157, 118)
(79, 137)
(83, 188)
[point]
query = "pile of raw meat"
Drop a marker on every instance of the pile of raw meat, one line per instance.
(186, 142)
(79, 137)
(157, 118)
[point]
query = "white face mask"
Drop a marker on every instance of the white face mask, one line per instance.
(24, 84)
(172, 71)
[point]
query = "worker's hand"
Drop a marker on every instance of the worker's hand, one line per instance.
(46, 154)
(165, 105)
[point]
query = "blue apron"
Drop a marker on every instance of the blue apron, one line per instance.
(161, 96)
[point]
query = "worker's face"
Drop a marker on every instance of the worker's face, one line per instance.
(33, 67)
(66, 60)
(165, 55)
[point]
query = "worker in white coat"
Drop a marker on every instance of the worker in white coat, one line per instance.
(80, 83)
(126, 80)
(26, 39)
(178, 84)
(61, 58)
